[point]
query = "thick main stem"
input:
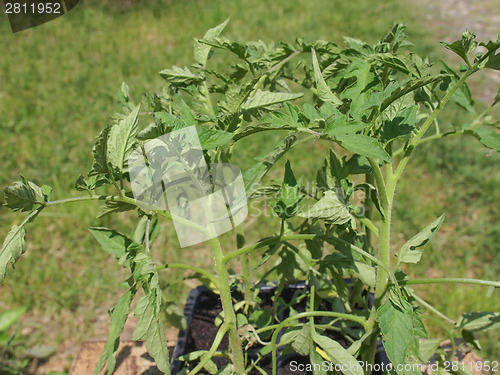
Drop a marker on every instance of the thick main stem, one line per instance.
(237, 357)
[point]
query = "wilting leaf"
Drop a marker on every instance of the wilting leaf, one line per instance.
(410, 252)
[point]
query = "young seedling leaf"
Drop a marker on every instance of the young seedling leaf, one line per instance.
(410, 252)
(122, 138)
(324, 92)
(479, 321)
(118, 317)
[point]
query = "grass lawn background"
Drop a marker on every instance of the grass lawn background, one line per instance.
(57, 91)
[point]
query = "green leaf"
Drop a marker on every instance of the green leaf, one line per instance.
(324, 92)
(330, 208)
(100, 152)
(410, 252)
(119, 316)
(359, 91)
(202, 50)
(10, 317)
(363, 145)
(428, 348)
(366, 274)
(479, 321)
(150, 329)
(140, 230)
(462, 96)
(254, 176)
(401, 125)
(212, 138)
(24, 196)
(338, 355)
(464, 46)
(115, 206)
(174, 315)
(493, 62)
(13, 247)
(210, 366)
(488, 136)
(395, 61)
(180, 76)
(302, 341)
(262, 99)
(408, 86)
(121, 139)
(112, 241)
(288, 200)
(397, 331)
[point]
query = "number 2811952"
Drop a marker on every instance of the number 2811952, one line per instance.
(32, 8)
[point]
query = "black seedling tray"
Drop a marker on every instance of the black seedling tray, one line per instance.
(203, 306)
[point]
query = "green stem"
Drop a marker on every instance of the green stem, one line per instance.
(432, 308)
(199, 270)
(208, 355)
(452, 280)
(245, 266)
(237, 357)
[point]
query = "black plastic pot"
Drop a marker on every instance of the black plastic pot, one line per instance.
(203, 306)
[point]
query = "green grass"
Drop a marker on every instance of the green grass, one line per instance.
(58, 84)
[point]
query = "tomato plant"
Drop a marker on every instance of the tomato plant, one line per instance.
(373, 105)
